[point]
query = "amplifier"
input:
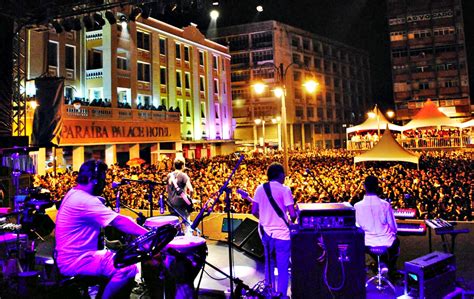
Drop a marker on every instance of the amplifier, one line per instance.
(431, 276)
(323, 216)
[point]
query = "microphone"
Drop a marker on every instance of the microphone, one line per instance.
(121, 183)
(162, 204)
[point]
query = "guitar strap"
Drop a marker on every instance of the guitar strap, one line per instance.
(275, 206)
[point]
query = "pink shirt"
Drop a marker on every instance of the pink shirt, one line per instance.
(78, 224)
(375, 217)
(268, 218)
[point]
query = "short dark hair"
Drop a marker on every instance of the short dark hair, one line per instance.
(91, 170)
(371, 184)
(274, 170)
(179, 163)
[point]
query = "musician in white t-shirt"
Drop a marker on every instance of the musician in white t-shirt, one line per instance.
(375, 216)
(274, 231)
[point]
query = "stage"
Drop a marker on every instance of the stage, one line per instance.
(251, 270)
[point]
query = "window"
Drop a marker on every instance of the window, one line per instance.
(240, 42)
(216, 86)
(187, 80)
(240, 58)
(53, 54)
(162, 76)
(122, 63)
(186, 53)
(178, 79)
(178, 51)
(262, 40)
(262, 56)
(162, 46)
(202, 84)
(143, 40)
(143, 72)
(215, 64)
(70, 55)
(201, 58)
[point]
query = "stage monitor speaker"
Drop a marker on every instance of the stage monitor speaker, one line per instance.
(310, 277)
(254, 245)
(243, 232)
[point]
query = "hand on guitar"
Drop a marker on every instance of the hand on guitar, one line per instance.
(244, 194)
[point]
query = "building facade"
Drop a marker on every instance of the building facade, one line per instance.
(428, 55)
(314, 120)
(154, 90)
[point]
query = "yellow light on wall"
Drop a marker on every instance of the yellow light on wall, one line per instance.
(278, 92)
(311, 86)
(259, 87)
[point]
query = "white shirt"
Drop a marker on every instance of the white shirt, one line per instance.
(78, 225)
(375, 217)
(274, 226)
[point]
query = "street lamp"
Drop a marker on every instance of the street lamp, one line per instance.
(280, 92)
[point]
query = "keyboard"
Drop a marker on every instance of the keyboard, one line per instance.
(404, 213)
(411, 227)
(439, 224)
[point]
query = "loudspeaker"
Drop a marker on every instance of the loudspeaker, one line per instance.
(342, 267)
(243, 232)
(254, 245)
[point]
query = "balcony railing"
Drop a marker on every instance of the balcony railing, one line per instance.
(419, 143)
(94, 74)
(107, 113)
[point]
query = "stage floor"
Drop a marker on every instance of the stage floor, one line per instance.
(251, 270)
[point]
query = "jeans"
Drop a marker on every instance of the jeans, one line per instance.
(281, 251)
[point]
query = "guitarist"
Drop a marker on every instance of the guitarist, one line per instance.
(178, 187)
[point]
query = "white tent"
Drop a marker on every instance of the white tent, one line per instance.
(430, 116)
(387, 149)
(374, 123)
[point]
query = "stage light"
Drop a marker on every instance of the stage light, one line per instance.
(99, 19)
(57, 27)
(67, 24)
(136, 12)
(214, 14)
(146, 12)
(77, 26)
(110, 17)
(88, 23)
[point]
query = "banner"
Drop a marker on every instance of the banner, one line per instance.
(47, 118)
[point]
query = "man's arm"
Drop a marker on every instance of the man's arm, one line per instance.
(255, 209)
(128, 226)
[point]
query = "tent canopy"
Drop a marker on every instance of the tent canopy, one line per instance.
(372, 124)
(387, 149)
(430, 116)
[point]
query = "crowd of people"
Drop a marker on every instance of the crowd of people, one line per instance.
(441, 188)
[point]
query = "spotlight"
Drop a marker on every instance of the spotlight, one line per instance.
(99, 20)
(88, 23)
(146, 12)
(214, 14)
(77, 26)
(110, 17)
(67, 24)
(259, 8)
(136, 12)
(57, 27)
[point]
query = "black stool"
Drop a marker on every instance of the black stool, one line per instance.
(379, 278)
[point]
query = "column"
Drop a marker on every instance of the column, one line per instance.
(110, 154)
(134, 151)
(41, 161)
(77, 157)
